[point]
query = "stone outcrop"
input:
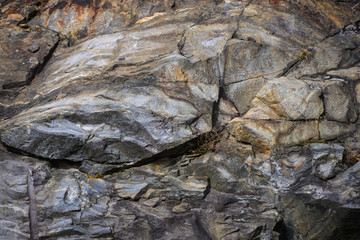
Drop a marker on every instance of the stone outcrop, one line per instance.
(179, 119)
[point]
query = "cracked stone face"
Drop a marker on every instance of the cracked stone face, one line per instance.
(290, 99)
(179, 119)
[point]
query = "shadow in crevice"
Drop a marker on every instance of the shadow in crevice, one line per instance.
(285, 233)
(199, 228)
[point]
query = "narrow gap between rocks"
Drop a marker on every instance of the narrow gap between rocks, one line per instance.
(192, 147)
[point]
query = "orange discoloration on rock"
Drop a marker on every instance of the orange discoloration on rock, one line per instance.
(11, 11)
(299, 164)
(33, 80)
(329, 13)
(59, 23)
(267, 152)
(275, 2)
(15, 17)
(179, 74)
(84, 11)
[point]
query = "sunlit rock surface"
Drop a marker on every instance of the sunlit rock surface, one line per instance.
(179, 119)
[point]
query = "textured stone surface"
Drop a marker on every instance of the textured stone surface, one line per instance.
(140, 109)
(337, 103)
(327, 160)
(291, 99)
(273, 132)
(109, 130)
(329, 130)
(202, 42)
(266, 61)
(19, 61)
(349, 73)
(334, 52)
(179, 119)
(242, 93)
(14, 198)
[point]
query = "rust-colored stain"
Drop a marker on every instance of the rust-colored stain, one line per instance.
(179, 74)
(97, 176)
(263, 149)
(81, 7)
(11, 11)
(299, 164)
(274, 2)
(33, 80)
(59, 6)
(352, 158)
(329, 13)
(267, 2)
(267, 152)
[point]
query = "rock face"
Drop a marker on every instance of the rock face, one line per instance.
(179, 119)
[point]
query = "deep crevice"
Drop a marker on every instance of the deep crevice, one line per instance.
(199, 228)
(174, 152)
(54, 163)
(289, 67)
(41, 66)
(222, 93)
(284, 232)
(181, 43)
(215, 111)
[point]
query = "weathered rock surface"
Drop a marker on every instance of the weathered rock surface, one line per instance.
(179, 119)
(273, 132)
(290, 99)
(137, 125)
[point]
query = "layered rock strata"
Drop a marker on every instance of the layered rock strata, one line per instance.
(179, 119)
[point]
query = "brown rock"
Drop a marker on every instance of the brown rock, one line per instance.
(181, 208)
(273, 132)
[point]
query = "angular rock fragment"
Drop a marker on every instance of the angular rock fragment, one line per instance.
(348, 73)
(334, 52)
(327, 160)
(20, 58)
(242, 93)
(146, 97)
(273, 132)
(206, 41)
(131, 190)
(181, 208)
(290, 99)
(267, 61)
(227, 112)
(329, 130)
(337, 103)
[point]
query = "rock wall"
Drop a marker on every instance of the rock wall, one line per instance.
(179, 119)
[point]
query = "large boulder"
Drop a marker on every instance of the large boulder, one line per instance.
(141, 112)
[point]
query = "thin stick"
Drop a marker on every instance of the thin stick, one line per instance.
(34, 227)
(355, 6)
